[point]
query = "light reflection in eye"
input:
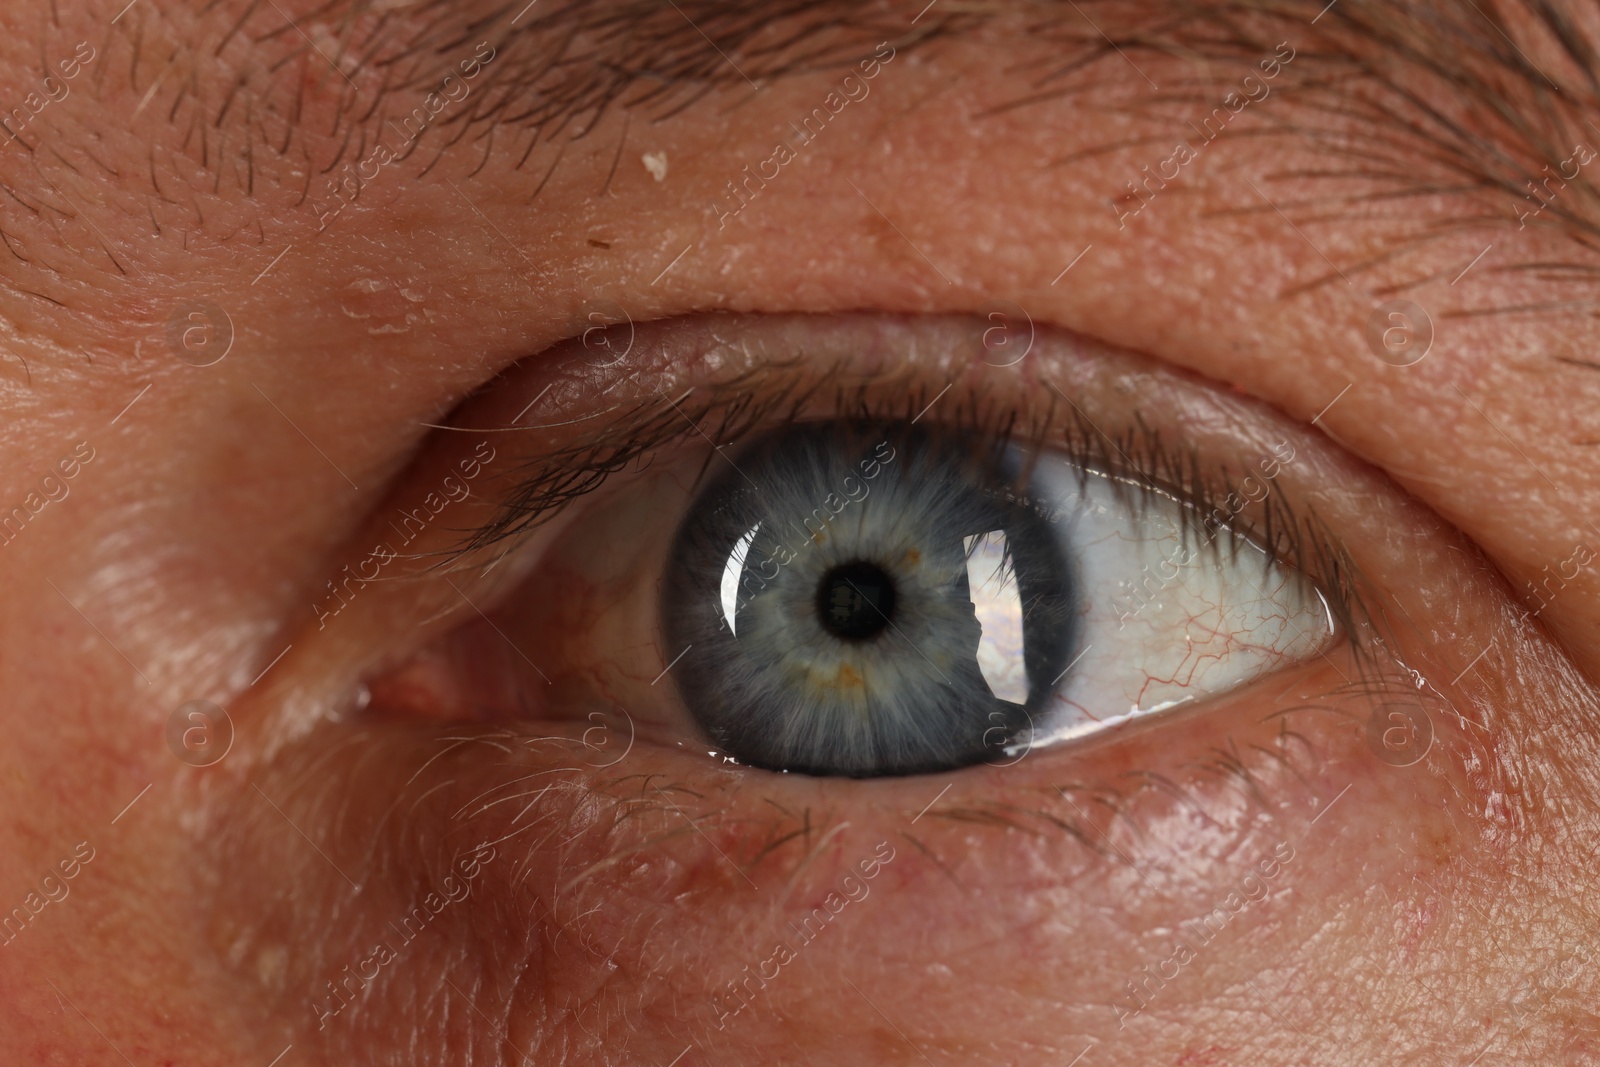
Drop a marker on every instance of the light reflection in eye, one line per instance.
(730, 578)
(997, 602)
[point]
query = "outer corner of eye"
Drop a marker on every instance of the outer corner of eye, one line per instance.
(871, 597)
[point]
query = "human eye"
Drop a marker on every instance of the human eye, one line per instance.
(507, 654)
(840, 571)
(527, 541)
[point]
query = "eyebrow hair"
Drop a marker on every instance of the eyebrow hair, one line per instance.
(1448, 102)
(566, 65)
(258, 79)
(1425, 100)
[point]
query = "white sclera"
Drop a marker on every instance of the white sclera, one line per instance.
(1167, 617)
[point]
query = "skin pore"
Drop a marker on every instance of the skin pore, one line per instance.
(1428, 907)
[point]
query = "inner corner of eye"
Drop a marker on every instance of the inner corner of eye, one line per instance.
(862, 597)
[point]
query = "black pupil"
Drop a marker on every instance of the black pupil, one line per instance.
(855, 601)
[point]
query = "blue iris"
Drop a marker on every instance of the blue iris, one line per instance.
(868, 598)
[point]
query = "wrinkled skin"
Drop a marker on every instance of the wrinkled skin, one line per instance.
(1425, 908)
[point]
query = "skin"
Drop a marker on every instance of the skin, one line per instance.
(1431, 912)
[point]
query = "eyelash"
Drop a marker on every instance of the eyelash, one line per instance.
(1140, 462)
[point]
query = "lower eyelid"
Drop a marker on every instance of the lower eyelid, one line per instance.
(675, 871)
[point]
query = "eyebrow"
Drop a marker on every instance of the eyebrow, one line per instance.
(564, 65)
(1433, 99)
(1448, 99)
(319, 87)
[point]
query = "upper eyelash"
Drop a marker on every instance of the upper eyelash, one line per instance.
(555, 479)
(1139, 461)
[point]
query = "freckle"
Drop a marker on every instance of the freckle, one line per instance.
(912, 558)
(847, 677)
